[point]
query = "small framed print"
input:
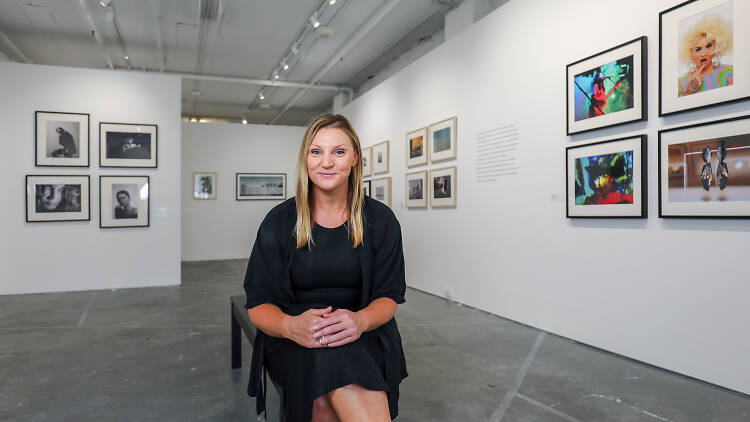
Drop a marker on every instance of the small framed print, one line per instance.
(381, 190)
(367, 162)
(607, 179)
(380, 158)
(704, 55)
(443, 140)
(127, 145)
(443, 187)
(251, 186)
(608, 88)
(367, 187)
(416, 147)
(416, 184)
(124, 201)
(204, 185)
(704, 170)
(62, 139)
(57, 198)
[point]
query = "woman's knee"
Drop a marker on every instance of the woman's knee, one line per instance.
(323, 410)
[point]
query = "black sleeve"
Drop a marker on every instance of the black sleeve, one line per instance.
(265, 267)
(389, 275)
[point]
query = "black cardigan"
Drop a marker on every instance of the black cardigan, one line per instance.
(382, 261)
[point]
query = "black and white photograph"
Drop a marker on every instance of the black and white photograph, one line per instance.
(381, 190)
(380, 159)
(127, 145)
(204, 185)
(124, 201)
(416, 184)
(367, 162)
(367, 186)
(443, 187)
(62, 139)
(261, 186)
(57, 198)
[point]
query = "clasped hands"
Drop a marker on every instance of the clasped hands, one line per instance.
(322, 328)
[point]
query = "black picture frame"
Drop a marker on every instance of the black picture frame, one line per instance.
(35, 217)
(367, 186)
(662, 76)
(109, 162)
(694, 130)
(40, 161)
(590, 63)
(104, 196)
(240, 197)
(641, 194)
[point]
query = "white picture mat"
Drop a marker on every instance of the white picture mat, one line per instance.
(417, 203)
(634, 209)
(671, 68)
(452, 123)
(197, 176)
(126, 162)
(422, 159)
(141, 202)
(630, 114)
(83, 142)
(32, 181)
(254, 175)
(443, 202)
(385, 183)
(382, 167)
(724, 208)
(367, 162)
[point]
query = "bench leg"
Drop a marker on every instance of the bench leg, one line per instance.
(236, 341)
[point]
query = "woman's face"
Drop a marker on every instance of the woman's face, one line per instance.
(330, 159)
(702, 51)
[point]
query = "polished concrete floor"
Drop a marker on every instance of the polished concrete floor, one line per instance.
(162, 354)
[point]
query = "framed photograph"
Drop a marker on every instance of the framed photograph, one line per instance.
(416, 184)
(62, 139)
(260, 186)
(608, 88)
(381, 190)
(57, 198)
(704, 55)
(704, 170)
(367, 162)
(127, 145)
(607, 179)
(204, 185)
(443, 140)
(367, 186)
(443, 187)
(416, 147)
(124, 201)
(380, 158)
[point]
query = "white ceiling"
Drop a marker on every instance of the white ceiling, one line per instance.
(245, 39)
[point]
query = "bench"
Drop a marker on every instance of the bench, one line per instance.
(241, 322)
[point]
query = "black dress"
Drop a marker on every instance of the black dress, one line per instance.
(329, 273)
(326, 274)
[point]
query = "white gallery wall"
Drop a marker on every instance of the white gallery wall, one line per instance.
(673, 293)
(224, 228)
(78, 255)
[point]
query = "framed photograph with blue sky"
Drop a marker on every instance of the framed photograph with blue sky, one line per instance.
(443, 138)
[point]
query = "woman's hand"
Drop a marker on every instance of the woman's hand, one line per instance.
(301, 328)
(339, 328)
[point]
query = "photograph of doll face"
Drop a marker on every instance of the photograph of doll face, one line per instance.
(705, 50)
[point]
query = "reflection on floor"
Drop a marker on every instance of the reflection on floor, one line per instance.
(163, 354)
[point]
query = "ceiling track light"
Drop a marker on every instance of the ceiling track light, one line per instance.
(332, 2)
(261, 96)
(244, 121)
(294, 49)
(314, 20)
(284, 65)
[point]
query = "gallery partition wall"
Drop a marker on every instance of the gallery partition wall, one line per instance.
(634, 283)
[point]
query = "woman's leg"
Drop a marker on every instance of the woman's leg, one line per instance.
(323, 411)
(354, 403)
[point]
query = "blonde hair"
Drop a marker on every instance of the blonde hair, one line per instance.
(303, 228)
(715, 28)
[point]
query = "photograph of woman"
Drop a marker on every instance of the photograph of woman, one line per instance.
(706, 42)
(324, 279)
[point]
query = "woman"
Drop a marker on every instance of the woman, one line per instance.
(701, 50)
(323, 282)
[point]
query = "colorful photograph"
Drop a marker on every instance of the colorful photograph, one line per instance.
(705, 47)
(441, 140)
(416, 146)
(710, 170)
(442, 188)
(604, 179)
(604, 90)
(416, 189)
